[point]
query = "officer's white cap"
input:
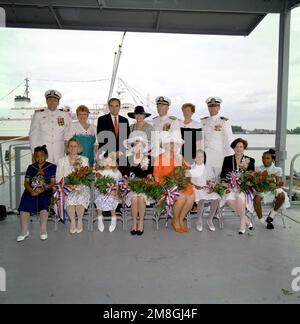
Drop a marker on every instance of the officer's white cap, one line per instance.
(213, 100)
(53, 94)
(163, 99)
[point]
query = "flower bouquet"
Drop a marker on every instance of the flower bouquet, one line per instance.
(220, 188)
(82, 176)
(260, 181)
(38, 181)
(105, 184)
(170, 190)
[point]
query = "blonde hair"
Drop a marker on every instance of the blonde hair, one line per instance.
(82, 108)
(73, 139)
(188, 104)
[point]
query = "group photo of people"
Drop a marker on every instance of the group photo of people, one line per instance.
(174, 165)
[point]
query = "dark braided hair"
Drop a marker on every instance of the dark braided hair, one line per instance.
(42, 148)
(272, 153)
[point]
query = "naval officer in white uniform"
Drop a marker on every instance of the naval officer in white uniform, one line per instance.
(51, 126)
(217, 135)
(162, 123)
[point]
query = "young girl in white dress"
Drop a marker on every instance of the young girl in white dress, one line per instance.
(201, 175)
(279, 197)
(108, 202)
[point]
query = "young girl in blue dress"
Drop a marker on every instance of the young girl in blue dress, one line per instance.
(279, 197)
(38, 183)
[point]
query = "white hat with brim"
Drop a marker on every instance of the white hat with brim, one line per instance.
(213, 100)
(53, 94)
(171, 137)
(135, 136)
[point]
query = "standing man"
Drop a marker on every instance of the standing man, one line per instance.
(51, 127)
(217, 135)
(162, 123)
(113, 130)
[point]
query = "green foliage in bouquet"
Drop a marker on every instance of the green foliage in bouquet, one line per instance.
(103, 182)
(221, 188)
(83, 176)
(260, 181)
(177, 178)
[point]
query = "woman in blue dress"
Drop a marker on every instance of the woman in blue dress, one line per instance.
(86, 134)
(38, 183)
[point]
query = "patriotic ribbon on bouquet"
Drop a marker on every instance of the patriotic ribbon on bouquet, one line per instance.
(110, 188)
(123, 184)
(248, 198)
(61, 192)
(168, 197)
(233, 179)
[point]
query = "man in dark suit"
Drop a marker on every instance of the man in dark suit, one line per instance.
(112, 130)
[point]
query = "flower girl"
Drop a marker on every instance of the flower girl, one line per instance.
(279, 196)
(201, 177)
(108, 200)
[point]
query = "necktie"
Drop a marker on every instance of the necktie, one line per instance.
(116, 126)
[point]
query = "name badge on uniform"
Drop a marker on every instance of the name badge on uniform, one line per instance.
(60, 121)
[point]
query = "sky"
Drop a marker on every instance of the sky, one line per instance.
(186, 68)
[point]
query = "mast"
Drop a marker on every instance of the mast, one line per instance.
(26, 93)
(115, 67)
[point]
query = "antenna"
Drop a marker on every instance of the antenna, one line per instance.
(26, 93)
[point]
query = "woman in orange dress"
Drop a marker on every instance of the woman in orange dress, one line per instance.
(164, 165)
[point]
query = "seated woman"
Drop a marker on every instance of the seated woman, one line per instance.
(279, 197)
(164, 165)
(237, 199)
(201, 174)
(140, 165)
(39, 180)
(79, 198)
(86, 134)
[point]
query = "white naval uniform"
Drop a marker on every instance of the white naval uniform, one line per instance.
(217, 139)
(51, 128)
(158, 133)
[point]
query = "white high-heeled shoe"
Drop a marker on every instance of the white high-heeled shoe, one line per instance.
(21, 238)
(44, 237)
(199, 226)
(211, 226)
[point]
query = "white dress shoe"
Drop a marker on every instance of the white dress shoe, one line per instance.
(100, 224)
(21, 238)
(73, 230)
(113, 225)
(44, 237)
(211, 226)
(199, 226)
(79, 230)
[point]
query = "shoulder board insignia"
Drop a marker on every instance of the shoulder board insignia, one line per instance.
(224, 118)
(39, 110)
(155, 117)
(65, 110)
(173, 117)
(204, 118)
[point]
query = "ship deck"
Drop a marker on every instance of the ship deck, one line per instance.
(161, 266)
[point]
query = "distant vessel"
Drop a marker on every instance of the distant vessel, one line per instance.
(17, 123)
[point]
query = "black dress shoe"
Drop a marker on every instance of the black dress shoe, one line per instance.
(133, 232)
(139, 233)
(269, 220)
(270, 226)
